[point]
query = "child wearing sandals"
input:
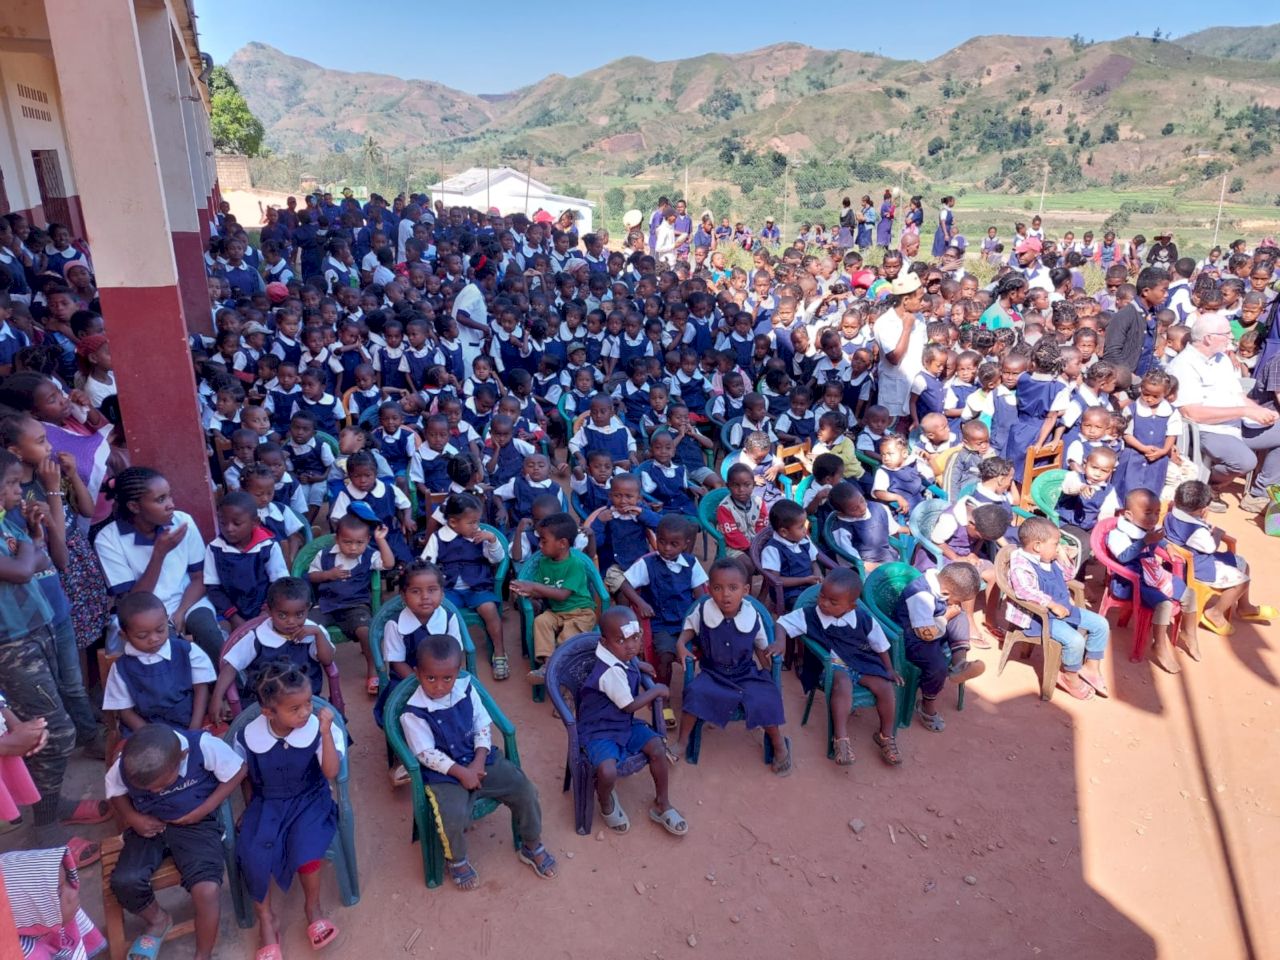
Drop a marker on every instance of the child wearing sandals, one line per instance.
(165, 789)
(731, 639)
(859, 654)
(291, 753)
(609, 728)
(446, 726)
(1035, 576)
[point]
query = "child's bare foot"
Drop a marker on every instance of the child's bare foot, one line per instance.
(463, 874)
(1190, 641)
(1162, 655)
(161, 924)
(1091, 675)
(1072, 684)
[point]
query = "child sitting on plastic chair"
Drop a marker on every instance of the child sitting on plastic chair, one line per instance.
(609, 728)
(863, 527)
(561, 581)
(734, 655)
(1036, 576)
(447, 726)
(860, 654)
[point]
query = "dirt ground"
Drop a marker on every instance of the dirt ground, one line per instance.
(1143, 826)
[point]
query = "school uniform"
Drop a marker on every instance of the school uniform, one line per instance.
(196, 848)
(920, 605)
(416, 361)
(280, 524)
(788, 559)
(955, 395)
(1037, 395)
(430, 468)
(605, 729)
(855, 640)
(1218, 568)
(519, 494)
(290, 493)
(386, 500)
(623, 540)
(911, 481)
(1152, 427)
(279, 405)
(866, 536)
(451, 730)
(694, 391)
(346, 603)
(326, 411)
(398, 448)
(263, 645)
(1004, 414)
(224, 426)
(615, 439)
(591, 495)
(312, 458)
(243, 279)
(635, 401)
(725, 407)
(278, 272)
(12, 342)
(929, 393)
(236, 579)
(1035, 581)
(729, 676)
(158, 686)
(1077, 508)
(467, 566)
(291, 818)
(336, 275)
(668, 586)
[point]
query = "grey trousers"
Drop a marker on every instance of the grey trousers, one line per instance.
(1256, 448)
(504, 782)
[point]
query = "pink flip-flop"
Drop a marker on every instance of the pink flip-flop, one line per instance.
(84, 852)
(321, 933)
(90, 811)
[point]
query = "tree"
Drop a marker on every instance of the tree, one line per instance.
(615, 199)
(1237, 185)
(936, 145)
(373, 159)
(1110, 133)
(234, 127)
(1166, 129)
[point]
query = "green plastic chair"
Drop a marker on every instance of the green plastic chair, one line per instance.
(470, 617)
(307, 535)
(880, 592)
(1045, 491)
(330, 441)
(732, 457)
(594, 582)
(862, 697)
(390, 611)
(424, 822)
(922, 521)
(707, 518)
(303, 560)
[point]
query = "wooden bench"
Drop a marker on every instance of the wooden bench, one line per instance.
(166, 876)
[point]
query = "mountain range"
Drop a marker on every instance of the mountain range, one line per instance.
(993, 110)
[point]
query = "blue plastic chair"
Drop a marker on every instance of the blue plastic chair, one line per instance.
(725, 428)
(424, 822)
(567, 671)
(342, 851)
(829, 544)
(922, 521)
(594, 581)
(707, 518)
(307, 535)
(694, 747)
(862, 697)
(733, 456)
(391, 610)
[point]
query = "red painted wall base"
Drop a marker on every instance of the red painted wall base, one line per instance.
(157, 389)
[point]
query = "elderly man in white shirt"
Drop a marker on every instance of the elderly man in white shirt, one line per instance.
(1236, 434)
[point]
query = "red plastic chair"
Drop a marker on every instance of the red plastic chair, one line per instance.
(233, 693)
(1126, 608)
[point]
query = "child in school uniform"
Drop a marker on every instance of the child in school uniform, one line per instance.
(291, 752)
(610, 727)
(660, 587)
(309, 460)
(287, 636)
(798, 423)
(757, 454)
(1133, 544)
(560, 580)
(975, 446)
(667, 481)
(343, 576)
(860, 654)
(1040, 399)
(393, 439)
(1036, 576)
(1090, 434)
(165, 789)
(935, 442)
(927, 392)
(242, 561)
(1187, 526)
(447, 727)
(325, 409)
(930, 614)
(828, 470)
(533, 481)
(833, 439)
(1152, 429)
(1087, 496)
(901, 479)
(603, 431)
(160, 678)
(387, 503)
(467, 557)
(863, 527)
(691, 446)
(789, 554)
(733, 655)
(755, 419)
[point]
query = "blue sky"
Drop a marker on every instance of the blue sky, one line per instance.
(496, 47)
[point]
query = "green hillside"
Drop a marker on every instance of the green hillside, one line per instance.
(1244, 43)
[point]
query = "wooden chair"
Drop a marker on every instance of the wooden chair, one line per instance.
(166, 876)
(110, 718)
(1038, 460)
(1052, 651)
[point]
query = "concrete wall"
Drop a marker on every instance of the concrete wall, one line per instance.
(233, 172)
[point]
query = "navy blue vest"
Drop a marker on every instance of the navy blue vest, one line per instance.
(1052, 582)
(598, 717)
(850, 644)
(389, 367)
(395, 451)
(906, 481)
(635, 401)
(521, 505)
(509, 466)
(1081, 511)
(285, 772)
(295, 654)
(161, 691)
(614, 444)
(451, 729)
(1179, 531)
(870, 536)
(901, 615)
(670, 491)
(305, 461)
(282, 408)
(932, 398)
(694, 393)
(462, 559)
(356, 590)
(184, 794)
(325, 413)
(418, 365)
(669, 592)
(243, 578)
(435, 473)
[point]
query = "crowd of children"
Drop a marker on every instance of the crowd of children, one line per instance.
(480, 394)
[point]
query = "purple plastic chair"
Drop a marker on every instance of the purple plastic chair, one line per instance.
(567, 671)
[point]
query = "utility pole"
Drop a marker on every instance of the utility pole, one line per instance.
(1044, 185)
(786, 228)
(527, 180)
(1222, 195)
(686, 185)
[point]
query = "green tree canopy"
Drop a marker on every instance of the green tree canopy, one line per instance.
(234, 127)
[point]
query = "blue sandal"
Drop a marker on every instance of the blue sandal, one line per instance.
(540, 858)
(463, 874)
(147, 947)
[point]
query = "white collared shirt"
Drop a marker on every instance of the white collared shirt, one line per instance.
(124, 559)
(242, 652)
(439, 622)
(259, 737)
(115, 693)
(638, 573)
(417, 732)
(770, 559)
(795, 626)
(746, 620)
(1208, 382)
(215, 756)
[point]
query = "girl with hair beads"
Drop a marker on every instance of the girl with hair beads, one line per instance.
(291, 753)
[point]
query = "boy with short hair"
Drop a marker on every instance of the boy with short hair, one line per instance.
(560, 580)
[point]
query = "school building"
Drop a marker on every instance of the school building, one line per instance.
(511, 192)
(105, 128)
